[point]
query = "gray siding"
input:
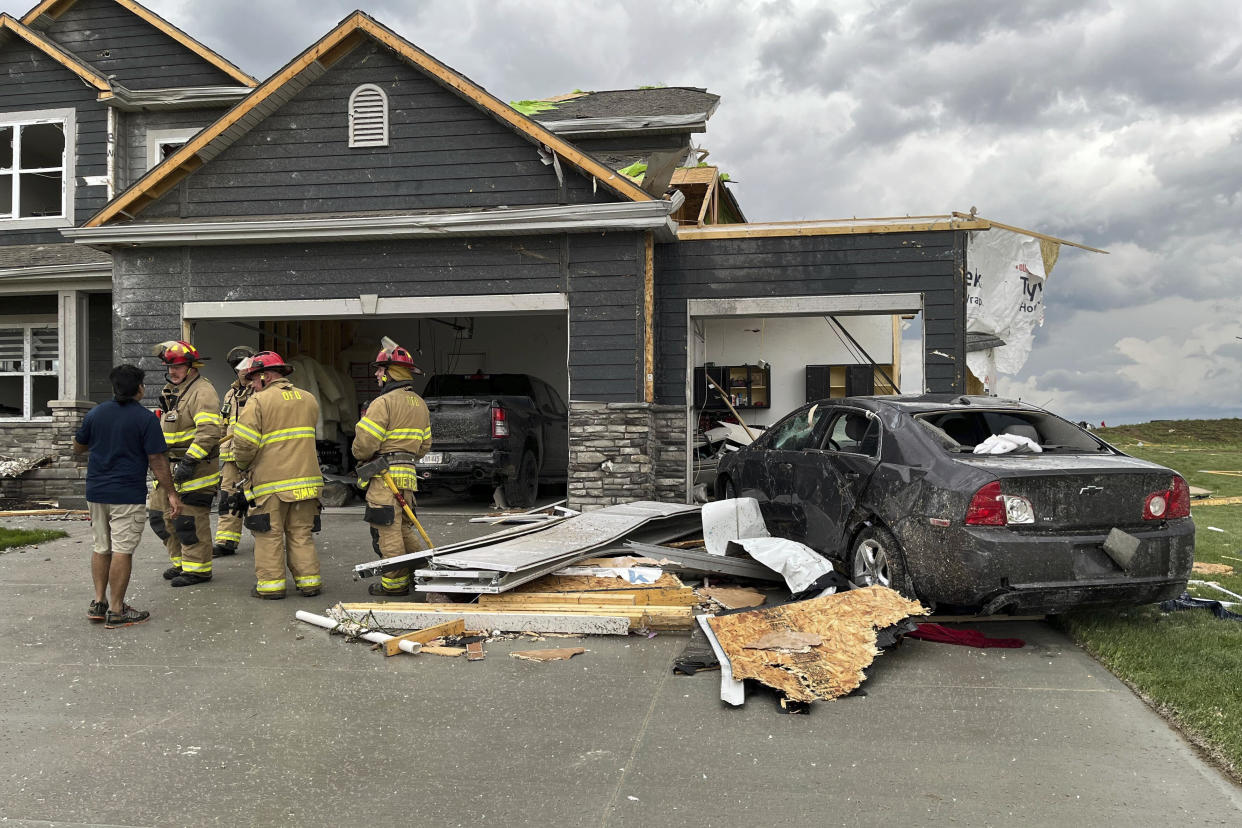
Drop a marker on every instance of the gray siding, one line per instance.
(121, 44)
(444, 153)
(33, 81)
(137, 125)
(927, 263)
(600, 272)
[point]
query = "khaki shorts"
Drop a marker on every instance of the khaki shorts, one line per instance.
(117, 526)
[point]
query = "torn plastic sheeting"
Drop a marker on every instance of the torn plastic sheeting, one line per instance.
(728, 520)
(632, 575)
(800, 565)
(1008, 444)
(731, 690)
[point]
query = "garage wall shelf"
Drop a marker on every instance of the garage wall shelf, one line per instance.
(748, 386)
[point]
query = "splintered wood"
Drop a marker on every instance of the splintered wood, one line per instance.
(846, 624)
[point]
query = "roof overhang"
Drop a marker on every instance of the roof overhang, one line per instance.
(189, 97)
(654, 216)
(629, 125)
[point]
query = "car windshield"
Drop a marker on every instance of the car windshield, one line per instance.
(961, 430)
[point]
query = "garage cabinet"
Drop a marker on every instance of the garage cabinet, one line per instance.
(748, 386)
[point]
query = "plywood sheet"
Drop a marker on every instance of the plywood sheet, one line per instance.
(846, 623)
(583, 583)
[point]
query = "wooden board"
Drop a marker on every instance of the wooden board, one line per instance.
(456, 627)
(847, 623)
(682, 597)
(390, 617)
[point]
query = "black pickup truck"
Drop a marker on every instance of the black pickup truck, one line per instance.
(495, 430)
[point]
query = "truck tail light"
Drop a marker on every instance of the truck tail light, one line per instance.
(500, 422)
(1173, 502)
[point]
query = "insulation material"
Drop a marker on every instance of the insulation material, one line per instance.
(800, 565)
(847, 624)
(1004, 297)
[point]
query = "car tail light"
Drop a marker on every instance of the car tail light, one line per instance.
(500, 422)
(1173, 502)
(986, 507)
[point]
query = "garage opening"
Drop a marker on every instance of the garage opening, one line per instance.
(332, 359)
(753, 361)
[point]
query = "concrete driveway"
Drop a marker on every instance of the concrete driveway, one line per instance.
(224, 710)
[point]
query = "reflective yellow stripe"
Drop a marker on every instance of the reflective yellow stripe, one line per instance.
(283, 434)
(410, 433)
(225, 535)
(395, 583)
(371, 427)
(250, 434)
(200, 483)
(207, 417)
(175, 561)
(196, 567)
(172, 437)
(271, 586)
(228, 457)
(304, 581)
(196, 452)
(305, 488)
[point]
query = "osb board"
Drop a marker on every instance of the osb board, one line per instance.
(847, 622)
(579, 583)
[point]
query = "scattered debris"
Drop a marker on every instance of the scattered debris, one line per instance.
(734, 597)
(1204, 568)
(537, 515)
(1215, 529)
(847, 622)
(964, 638)
(17, 466)
(474, 651)
(1188, 602)
(561, 654)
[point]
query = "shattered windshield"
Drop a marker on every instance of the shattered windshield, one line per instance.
(1029, 431)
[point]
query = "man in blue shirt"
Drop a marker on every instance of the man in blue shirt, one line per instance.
(123, 439)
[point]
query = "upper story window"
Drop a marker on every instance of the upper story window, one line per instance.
(162, 143)
(36, 169)
(368, 117)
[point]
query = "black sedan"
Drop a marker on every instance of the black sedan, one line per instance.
(892, 489)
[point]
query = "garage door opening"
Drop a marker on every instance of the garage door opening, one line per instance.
(332, 360)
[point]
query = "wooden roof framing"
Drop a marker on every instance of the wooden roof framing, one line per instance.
(66, 59)
(303, 70)
(55, 8)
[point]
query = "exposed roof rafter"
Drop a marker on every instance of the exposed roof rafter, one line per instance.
(66, 59)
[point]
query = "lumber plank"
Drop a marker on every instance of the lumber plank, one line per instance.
(451, 652)
(418, 616)
(683, 596)
(455, 627)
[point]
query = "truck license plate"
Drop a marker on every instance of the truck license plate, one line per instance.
(432, 458)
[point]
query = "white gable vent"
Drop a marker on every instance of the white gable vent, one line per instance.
(368, 117)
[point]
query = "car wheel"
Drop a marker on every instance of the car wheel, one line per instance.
(877, 560)
(521, 490)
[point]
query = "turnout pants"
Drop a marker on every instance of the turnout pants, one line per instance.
(229, 525)
(392, 533)
(282, 536)
(187, 538)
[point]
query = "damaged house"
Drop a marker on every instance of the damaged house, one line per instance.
(367, 189)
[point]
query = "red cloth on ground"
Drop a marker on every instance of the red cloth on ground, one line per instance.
(966, 638)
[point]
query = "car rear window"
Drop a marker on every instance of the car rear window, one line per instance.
(962, 430)
(478, 385)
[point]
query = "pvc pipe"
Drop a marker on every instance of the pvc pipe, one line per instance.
(374, 637)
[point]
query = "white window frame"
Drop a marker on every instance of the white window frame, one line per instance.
(156, 137)
(354, 140)
(27, 324)
(67, 120)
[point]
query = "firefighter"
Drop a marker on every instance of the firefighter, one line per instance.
(274, 447)
(229, 525)
(190, 419)
(395, 426)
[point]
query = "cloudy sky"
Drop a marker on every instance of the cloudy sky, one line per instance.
(1115, 124)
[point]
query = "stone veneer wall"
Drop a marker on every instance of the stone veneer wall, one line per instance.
(620, 452)
(62, 479)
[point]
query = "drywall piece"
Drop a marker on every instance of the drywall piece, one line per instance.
(728, 520)
(800, 565)
(383, 615)
(559, 654)
(732, 691)
(1121, 546)
(847, 624)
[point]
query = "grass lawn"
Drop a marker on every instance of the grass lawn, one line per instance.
(1187, 664)
(27, 537)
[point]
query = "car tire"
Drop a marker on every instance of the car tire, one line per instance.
(522, 489)
(876, 559)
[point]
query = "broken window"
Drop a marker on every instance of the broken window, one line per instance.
(368, 117)
(962, 430)
(29, 370)
(32, 169)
